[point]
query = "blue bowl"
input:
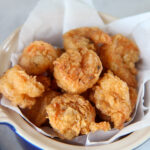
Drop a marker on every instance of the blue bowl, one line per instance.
(26, 145)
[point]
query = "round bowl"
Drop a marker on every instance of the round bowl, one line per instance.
(31, 139)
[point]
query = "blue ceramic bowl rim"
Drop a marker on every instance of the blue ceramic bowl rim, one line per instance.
(38, 148)
(15, 131)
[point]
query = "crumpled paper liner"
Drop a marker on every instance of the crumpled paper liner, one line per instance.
(51, 18)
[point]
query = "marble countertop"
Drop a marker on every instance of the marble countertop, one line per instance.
(13, 13)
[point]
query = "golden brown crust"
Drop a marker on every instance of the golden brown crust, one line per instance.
(133, 97)
(38, 57)
(76, 71)
(70, 115)
(105, 126)
(20, 88)
(120, 57)
(111, 98)
(85, 38)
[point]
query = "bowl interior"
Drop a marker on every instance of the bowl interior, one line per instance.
(36, 138)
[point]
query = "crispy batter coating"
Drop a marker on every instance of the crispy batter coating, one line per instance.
(76, 71)
(20, 88)
(71, 115)
(111, 98)
(133, 97)
(46, 81)
(85, 38)
(38, 57)
(120, 57)
(105, 126)
(37, 114)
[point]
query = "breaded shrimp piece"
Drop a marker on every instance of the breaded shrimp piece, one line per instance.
(111, 98)
(46, 81)
(70, 115)
(120, 57)
(105, 126)
(85, 38)
(19, 87)
(37, 114)
(38, 57)
(133, 97)
(17, 99)
(76, 71)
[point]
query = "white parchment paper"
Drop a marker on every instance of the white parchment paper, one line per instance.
(51, 18)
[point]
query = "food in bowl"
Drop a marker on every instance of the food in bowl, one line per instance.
(71, 114)
(20, 88)
(66, 86)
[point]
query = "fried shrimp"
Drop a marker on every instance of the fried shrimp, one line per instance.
(20, 88)
(120, 57)
(133, 97)
(38, 57)
(76, 71)
(37, 114)
(70, 115)
(111, 98)
(105, 126)
(85, 38)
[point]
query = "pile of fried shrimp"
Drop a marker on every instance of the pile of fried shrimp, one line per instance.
(93, 76)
